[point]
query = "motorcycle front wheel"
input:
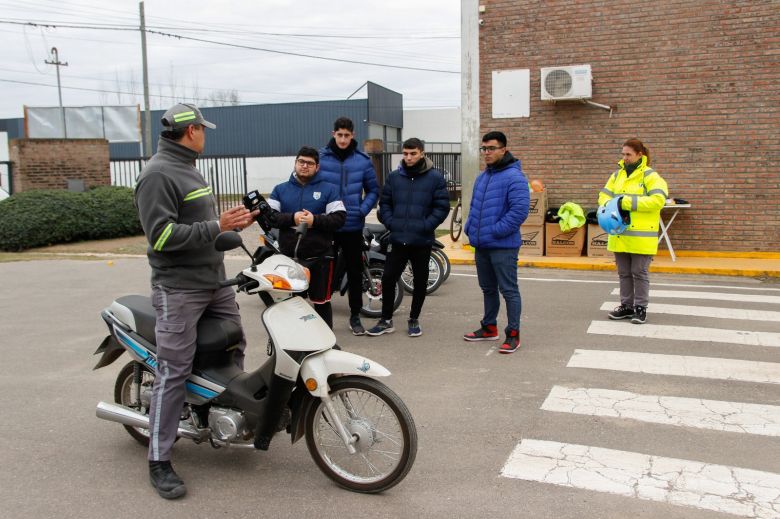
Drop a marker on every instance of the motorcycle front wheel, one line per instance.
(373, 292)
(126, 394)
(386, 437)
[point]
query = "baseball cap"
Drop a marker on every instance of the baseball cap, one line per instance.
(182, 115)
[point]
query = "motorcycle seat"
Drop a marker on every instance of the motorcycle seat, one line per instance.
(213, 334)
(375, 228)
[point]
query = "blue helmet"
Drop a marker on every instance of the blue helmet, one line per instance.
(610, 218)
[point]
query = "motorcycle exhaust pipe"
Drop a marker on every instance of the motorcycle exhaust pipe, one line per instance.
(127, 416)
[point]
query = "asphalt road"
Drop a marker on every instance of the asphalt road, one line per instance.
(471, 405)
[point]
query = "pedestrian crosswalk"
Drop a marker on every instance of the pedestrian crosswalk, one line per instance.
(703, 329)
(686, 333)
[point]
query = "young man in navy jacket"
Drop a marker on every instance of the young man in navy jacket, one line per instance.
(352, 173)
(499, 206)
(414, 202)
(306, 198)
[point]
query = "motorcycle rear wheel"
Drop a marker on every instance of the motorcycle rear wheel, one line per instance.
(125, 395)
(386, 436)
(444, 260)
(435, 276)
(372, 292)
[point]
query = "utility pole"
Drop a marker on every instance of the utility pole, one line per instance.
(57, 63)
(147, 137)
(469, 99)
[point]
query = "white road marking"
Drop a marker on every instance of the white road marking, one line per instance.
(706, 311)
(615, 282)
(669, 410)
(719, 296)
(679, 365)
(685, 333)
(732, 490)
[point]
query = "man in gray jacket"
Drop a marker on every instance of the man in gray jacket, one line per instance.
(179, 216)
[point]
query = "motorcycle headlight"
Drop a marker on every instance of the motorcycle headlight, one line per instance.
(290, 277)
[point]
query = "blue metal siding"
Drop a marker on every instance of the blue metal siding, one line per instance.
(14, 128)
(271, 130)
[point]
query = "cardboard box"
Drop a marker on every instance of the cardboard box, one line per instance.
(559, 243)
(597, 242)
(536, 208)
(532, 237)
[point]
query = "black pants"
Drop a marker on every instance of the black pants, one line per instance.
(419, 256)
(351, 246)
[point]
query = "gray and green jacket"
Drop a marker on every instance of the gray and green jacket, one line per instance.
(180, 219)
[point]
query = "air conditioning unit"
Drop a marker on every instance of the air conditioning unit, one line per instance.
(569, 82)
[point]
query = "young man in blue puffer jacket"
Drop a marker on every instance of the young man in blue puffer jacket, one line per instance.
(413, 204)
(305, 198)
(499, 206)
(352, 172)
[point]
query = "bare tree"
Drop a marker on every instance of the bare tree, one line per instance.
(228, 97)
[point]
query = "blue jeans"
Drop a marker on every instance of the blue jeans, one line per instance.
(497, 271)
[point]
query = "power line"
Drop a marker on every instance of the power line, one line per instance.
(225, 44)
(105, 91)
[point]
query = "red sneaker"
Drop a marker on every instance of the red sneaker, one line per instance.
(485, 333)
(511, 343)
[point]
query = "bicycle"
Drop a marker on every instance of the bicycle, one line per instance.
(456, 220)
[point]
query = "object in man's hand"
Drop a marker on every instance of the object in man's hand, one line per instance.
(254, 201)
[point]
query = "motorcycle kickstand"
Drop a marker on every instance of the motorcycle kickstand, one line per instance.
(348, 439)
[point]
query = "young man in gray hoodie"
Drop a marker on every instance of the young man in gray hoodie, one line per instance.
(179, 216)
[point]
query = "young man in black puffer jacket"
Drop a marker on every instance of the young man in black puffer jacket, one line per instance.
(413, 203)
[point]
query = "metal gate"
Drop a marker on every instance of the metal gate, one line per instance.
(226, 174)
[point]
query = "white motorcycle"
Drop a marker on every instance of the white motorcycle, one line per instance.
(359, 432)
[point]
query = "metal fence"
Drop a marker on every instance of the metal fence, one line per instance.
(6, 177)
(449, 163)
(226, 174)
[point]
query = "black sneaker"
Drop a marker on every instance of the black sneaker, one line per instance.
(163, 478)
(414, 329)
(622, 312)
(511, 343)
(485, 333)
(356, 326)
(381, 327)
(640, 315)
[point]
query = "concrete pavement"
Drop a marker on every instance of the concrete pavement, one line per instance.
(712, 263)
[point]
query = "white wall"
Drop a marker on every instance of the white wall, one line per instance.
(3, 157)
(434, 125)
(4, 146)
(263, 173)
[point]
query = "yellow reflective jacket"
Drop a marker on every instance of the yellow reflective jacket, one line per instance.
(644, 194)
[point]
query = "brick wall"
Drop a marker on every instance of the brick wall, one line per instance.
(697, 81)
(50, 163)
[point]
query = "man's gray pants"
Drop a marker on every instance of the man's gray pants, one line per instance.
(633, 271)
(178, 313)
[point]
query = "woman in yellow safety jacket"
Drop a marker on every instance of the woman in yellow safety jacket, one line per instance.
(643, 193)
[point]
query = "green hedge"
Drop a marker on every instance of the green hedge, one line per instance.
(46, 217)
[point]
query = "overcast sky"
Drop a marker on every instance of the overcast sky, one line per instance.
(105, 61)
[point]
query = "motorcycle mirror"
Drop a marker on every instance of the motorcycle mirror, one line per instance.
(228, 240)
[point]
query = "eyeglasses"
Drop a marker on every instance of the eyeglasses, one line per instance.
(306, 163)
(485, 149)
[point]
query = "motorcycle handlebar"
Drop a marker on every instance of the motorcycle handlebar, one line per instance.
(229, 282)
(238, 280)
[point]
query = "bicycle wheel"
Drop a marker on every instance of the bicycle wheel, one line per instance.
(456, 222)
